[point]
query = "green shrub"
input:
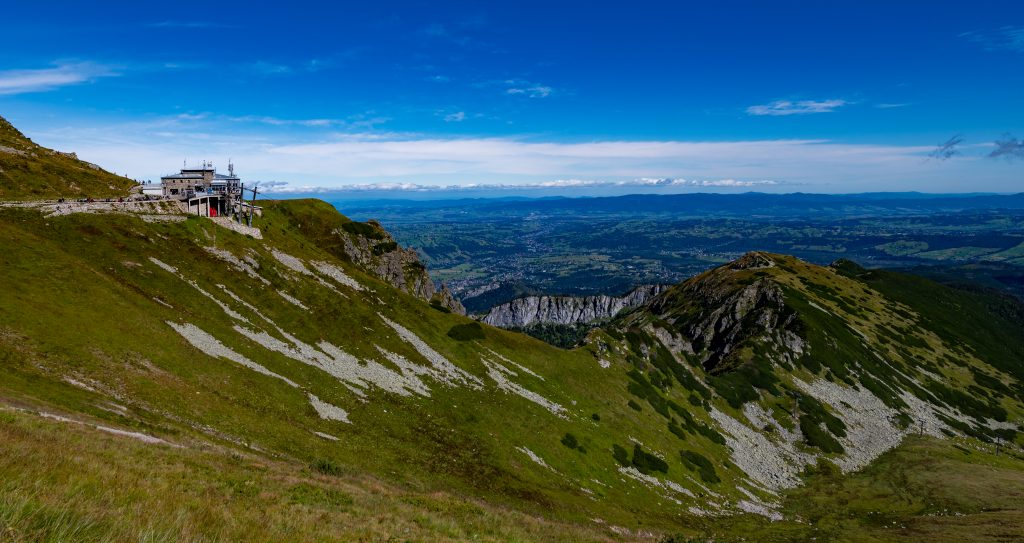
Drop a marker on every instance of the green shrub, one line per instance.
(362, 229)
(813, 410)
(740, 385)
(634, 406)
(645, 462)
(564, 336)
(384, 247)
(711, 434)
(696, 461)
(679, 431)
(596, 417)
(466, 332)
(817, 437)
(437, 305)
(620, 455)
(328, 468)
(570, 441)
(642, 388)
(317, 496)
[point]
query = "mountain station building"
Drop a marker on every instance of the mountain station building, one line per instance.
(207, 192)
(203, 179)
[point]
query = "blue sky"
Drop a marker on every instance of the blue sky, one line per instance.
(674, 96)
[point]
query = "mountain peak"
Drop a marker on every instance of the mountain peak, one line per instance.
(753, 260)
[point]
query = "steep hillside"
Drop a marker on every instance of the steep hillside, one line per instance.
(365, 244)
(166, 378)
(29, 171)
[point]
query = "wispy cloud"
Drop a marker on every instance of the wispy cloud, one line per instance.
(1008, 147)
(1007, 38)
(947, 149)
(358, 122)
(440, 31)
(280, 187)
(892, 105)
(800, 107)
(263, 67)
(539, 91)
(333, 153)
(519, 87)
(47, 79)
(190, 24)
(456, 117)
(458, 32)
(336, 153)
(313, 65)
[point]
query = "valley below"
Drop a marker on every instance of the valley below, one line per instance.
(490, 251)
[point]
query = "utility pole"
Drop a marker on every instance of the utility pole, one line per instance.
(241, 203)
(252, 204)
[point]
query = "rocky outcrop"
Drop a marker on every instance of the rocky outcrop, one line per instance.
(530, 310)
(444, 298)
(372, 248)
(718, 315)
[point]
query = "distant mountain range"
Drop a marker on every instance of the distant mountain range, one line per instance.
(749, 205)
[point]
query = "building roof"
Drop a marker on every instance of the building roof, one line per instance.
(199, 173)
(183, 175)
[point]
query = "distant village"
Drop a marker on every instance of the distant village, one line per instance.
(205, 192)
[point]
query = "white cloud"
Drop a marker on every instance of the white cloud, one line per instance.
(801, 107)
(46, 79)
(536, 91)
(336, 156)
(286, 188)
(456, 117)
(269, 68)
(190, 25)
(357, 122)
(1009, 38)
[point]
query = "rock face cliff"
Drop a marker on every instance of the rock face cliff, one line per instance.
(531, 310)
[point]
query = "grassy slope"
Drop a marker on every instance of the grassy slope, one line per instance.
(85, 308)
(80, 303)
(35, 172)
(77, 484)
(926, 490)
